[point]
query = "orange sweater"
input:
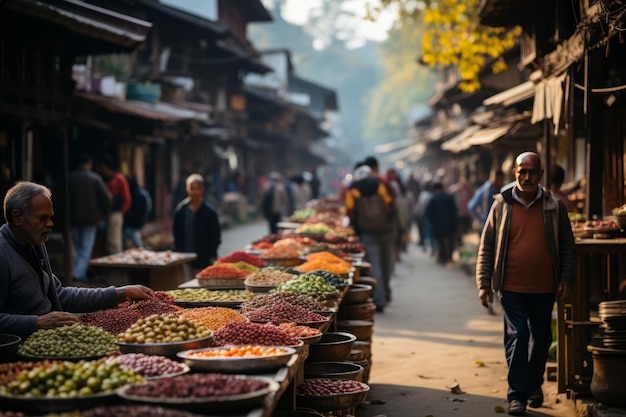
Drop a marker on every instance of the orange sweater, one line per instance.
(528, 265)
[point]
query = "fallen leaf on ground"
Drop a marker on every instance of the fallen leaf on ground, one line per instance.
(499, 409)
(479, 363)
(456, 389)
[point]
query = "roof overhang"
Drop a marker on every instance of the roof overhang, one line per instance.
(90, 22)
(488, 135)
(521, 92)
(153, 111)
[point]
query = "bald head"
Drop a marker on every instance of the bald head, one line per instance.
(528, 158)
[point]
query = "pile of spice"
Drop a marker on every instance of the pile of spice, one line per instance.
(222, 271)
(241, 256)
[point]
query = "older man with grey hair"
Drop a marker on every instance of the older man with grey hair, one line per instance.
(31, 296)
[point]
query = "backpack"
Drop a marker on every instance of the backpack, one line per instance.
(371, 215)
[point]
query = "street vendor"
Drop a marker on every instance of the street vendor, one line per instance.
(31, 296)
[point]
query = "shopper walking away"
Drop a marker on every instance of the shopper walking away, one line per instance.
(526, 254)
(120, 193)
(443, 219)
(481, 201)
(426, 239)
(196, 226)
(138, 214)
(275, 201)
(90, 202)
(370, 209)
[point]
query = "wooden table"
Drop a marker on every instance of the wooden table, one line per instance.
(166, 276)
(599, 262)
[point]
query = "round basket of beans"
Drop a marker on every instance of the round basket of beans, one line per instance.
(65, 386)
(150, 366)
(199, 392)
(248, 333)
(75, 342)
(326, 394)
(164, 335)
(284, 312)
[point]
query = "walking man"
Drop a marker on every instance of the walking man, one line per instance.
(90, 202)
(526, 254)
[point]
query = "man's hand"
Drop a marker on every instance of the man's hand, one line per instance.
(563, 290)
(486, 297)
(56, 319)
(136, 292)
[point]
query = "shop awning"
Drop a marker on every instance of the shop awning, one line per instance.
(394, 146)
(460, 142)
(513, 95)
(488, 135)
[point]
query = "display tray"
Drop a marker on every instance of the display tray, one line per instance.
(225, 403)
(308, 340)
(165, 349)
(45, 405)
(195, 304)
(245, 364)
(184, 368)
(222, 283)
(332, 402)
(63, 358)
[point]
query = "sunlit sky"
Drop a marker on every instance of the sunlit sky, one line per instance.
(296, 11)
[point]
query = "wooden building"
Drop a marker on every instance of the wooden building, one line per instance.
(39, 43)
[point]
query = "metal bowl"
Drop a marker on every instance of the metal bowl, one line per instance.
(251, 364)
(333, 346)
(219, 404)
(332, 402)
(358, 293)
(333, 370)
(165, 349)
(362, 329)
(9, 344)
(43, 405)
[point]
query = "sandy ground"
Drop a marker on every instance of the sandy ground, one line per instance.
(433, 335)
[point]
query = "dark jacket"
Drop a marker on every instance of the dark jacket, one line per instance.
(28, 289)
(442, 214)
(140, 206)
(493, 241)
(207, 232)
(90, 200)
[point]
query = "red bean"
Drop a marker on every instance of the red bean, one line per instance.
(198, 386)
(324, 386)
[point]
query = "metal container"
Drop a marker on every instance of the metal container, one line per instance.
(332, 402)
(361, 311)
(358, 293)
(333, 370)
(244, 364)
(607, 382)
(165, 349)
(9, 344)
(362, 329)
(333, 346)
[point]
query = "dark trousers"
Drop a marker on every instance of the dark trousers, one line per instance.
(527, 339)
(272, 220)
(445, 248)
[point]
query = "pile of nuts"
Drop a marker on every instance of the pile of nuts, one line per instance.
(163, 328)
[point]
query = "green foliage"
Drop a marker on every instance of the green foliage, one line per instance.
(454, 36)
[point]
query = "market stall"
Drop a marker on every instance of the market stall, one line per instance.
(158, 270)
(263, 321)
(600, 273)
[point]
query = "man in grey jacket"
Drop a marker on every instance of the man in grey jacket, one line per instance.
(31, 296)
(526, 254)
(90, 202)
